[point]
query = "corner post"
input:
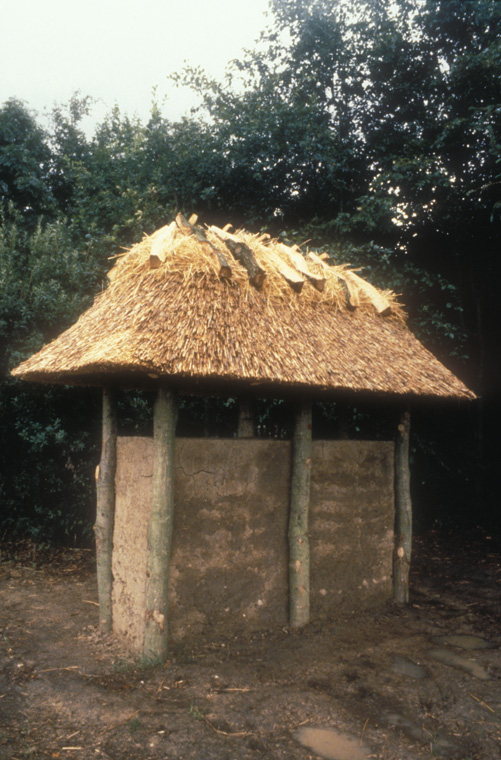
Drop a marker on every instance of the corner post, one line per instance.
(403, 512)
(105, 509)
(160, 527)
(245, 418)
(299, 549)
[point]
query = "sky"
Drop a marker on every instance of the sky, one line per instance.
(117, 51)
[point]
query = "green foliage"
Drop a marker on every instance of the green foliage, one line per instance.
(46, 482)
(372, 128)
(195, 712)
(133, 724)
(50, 439)
(24, 162)
(45, 284)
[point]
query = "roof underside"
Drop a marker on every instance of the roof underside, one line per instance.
(194, 326)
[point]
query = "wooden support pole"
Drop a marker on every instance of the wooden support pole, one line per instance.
(105, 509)
(299, 550)
(160, 527)
(403, 512)
(245, 418)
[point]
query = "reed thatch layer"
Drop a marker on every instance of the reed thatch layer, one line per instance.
(182, 321)
(190, 256)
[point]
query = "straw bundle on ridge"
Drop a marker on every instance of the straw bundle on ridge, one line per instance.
(186, 249)
(204, 309)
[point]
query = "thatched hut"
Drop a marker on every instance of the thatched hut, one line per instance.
(192, 310)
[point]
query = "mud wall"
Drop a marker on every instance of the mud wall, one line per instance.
(229, 560)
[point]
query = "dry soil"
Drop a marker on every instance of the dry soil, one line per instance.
(373, 677)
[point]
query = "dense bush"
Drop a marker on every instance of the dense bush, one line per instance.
(375, 134)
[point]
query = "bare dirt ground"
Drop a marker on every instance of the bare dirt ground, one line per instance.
(375, 677)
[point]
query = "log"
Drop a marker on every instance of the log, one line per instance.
(243, 254)
(352, 296)
(298, 262)
(379, 301)
(352, 299)
(403, 512)
(290, 275)
(319, 261)
(353, 284)
(161, 240)
(187, 228)
(105, 509)
(310, 256)
(112, 273)
(160, 528)
(184, 225)
(299, 551)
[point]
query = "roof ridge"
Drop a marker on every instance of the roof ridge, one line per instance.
(248, 259)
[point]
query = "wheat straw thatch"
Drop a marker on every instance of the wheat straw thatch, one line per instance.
(180, 306)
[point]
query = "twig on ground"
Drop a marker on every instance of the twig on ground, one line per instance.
(225, 733)
(223, 689)
(303, 723)
(51, 670)
(481, 702)
(363, 731)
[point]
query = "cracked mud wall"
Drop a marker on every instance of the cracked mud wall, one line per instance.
(229, 552)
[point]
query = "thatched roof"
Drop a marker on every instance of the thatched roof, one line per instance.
(206, 309)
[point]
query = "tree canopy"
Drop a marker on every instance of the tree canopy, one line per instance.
(372, 128)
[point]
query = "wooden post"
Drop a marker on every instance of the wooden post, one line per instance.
(160, 527)
(245, 419)
(105, 509)
(299, 550)
(403, 512)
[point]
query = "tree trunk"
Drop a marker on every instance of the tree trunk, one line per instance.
(160, 527)
(299, 550)
(105, 509)
(245, 419)
(403, 512)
